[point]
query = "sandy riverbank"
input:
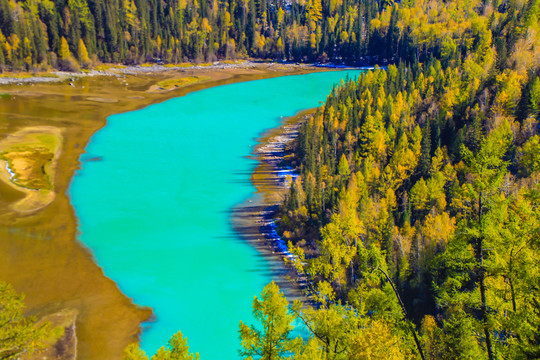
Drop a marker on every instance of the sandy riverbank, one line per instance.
(252, 219)
(39, 253)
(55, 76)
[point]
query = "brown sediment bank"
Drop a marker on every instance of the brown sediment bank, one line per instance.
(250, 217)
(39, 253)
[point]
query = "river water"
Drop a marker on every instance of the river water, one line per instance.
(155, 208)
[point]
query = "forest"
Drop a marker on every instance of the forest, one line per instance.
(415, 216)
(74, 34)
(417, 204)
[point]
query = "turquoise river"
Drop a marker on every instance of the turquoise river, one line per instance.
(155, 210)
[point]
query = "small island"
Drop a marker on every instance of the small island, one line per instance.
(30, 156)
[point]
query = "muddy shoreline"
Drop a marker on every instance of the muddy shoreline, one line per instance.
(21, 78)
(252, 220)
(39, 251)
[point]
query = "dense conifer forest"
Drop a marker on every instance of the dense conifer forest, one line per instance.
(74, 34)
(69, 34)
(417, 204)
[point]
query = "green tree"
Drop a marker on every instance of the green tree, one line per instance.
(458, 338)
(134, 352)
(64, 49)
(480, 203)
(273, 342)
(535, 97)
(343, 167)
(176, 349)
(310, 351)
(530, 158)
(376, 342)
(332, 327)
(83, 54)
(18, 335)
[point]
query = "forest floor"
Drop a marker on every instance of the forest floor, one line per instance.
(39, 252)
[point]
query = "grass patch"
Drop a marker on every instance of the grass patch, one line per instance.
(107, 67)
(29, 165)
(16, 75)
(181, 65)
(43, 140)
(50, 141)
(102, 68)
(26, 75)
(29, 158)
(5, 96)
(186, 65)
(181, 82)
(232, 62)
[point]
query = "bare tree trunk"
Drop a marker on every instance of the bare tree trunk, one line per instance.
(481, 281)
(416, 340)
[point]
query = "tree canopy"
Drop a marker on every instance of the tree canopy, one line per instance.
(19, 335)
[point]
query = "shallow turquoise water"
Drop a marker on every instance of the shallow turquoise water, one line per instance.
(155, 210)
